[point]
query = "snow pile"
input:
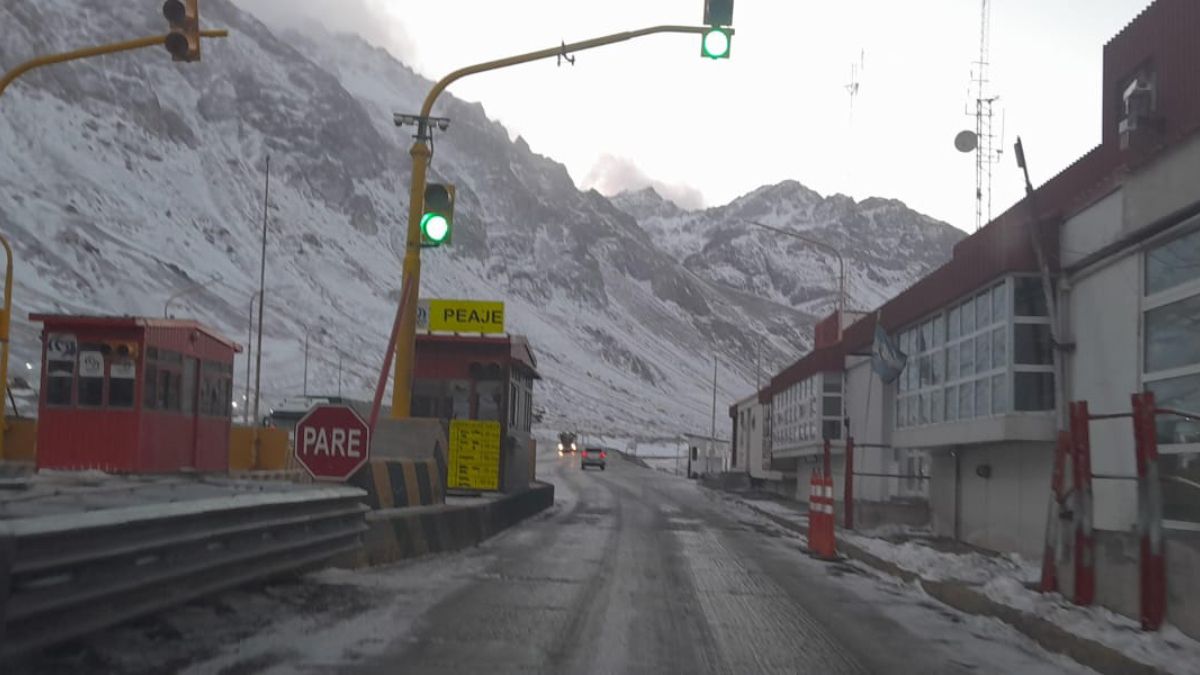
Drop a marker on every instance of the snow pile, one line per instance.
(1167, 648)
(917, 557)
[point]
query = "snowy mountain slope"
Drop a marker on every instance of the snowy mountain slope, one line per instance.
(129, 178)
(887, 246)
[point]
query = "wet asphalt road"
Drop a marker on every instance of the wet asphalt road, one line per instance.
(641, 572)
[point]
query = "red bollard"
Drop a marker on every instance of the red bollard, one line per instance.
(1152, 566)
(812, 509)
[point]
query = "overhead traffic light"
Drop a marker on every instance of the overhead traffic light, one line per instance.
(437, 218)
(183, 40)
(716, 43)
(718, 15)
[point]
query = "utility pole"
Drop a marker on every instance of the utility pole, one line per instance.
(249, 350)
(307, 330)
(262, 285)
(758, 368)
(712, 438)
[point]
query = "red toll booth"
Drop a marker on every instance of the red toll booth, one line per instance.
(480, 378)
(134, 395)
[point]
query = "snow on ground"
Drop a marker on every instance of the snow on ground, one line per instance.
(935, 565)
(1004, 579)
(983, 644)
(1168, 648)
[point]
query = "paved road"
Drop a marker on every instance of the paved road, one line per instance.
(632, 571)
(641, 572)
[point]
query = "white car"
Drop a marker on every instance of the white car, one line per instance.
(593, 457)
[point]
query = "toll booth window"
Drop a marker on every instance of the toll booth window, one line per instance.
(122, 376)
(488, 400)
(150, 384)
(60, 377)
(164, 380)
(215, 389)
(91, 376)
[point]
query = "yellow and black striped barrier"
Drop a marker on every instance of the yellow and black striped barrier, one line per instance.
(397, 483)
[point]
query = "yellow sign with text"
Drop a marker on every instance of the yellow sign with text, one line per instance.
(474, 462)
(461, 316)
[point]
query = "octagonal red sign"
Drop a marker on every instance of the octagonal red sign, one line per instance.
(332, 442)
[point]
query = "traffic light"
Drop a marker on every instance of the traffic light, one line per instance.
(437, 220)
(718, 15)
(716, 43)
(183, 40)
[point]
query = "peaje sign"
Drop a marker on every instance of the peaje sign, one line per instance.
(332, 442)
(460, 316)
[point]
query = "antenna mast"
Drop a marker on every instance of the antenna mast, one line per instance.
(986, 151)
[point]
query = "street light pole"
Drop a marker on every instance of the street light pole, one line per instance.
(249, 349)
(712, 439)
(179, 294)
(825, 247)
(307, 330)
(262, 286)
(5, 323)
(420, 153)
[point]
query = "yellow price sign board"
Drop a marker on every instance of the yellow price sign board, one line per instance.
(474, 462)
(460, 316)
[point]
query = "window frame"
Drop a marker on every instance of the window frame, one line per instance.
(1152, 301)
(1001, 324)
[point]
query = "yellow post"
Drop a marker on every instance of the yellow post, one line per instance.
(89, 52)
(5, 322)
(406, 339)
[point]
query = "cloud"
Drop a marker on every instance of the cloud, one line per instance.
(612, 175)
(365, 18)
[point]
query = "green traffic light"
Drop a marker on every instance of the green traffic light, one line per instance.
(435, 227)
(716, 44)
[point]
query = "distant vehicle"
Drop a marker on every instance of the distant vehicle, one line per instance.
(593, 456)
(566, 443)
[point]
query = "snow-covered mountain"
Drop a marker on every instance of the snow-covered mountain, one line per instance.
(886, 245)
(127, 179)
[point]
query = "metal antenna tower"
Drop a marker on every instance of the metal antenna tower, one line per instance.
(852, 86)
(987, 150)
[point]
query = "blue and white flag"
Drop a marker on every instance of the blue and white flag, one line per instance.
(886, 358)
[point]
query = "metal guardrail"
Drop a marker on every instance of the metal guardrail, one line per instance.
(63, 576)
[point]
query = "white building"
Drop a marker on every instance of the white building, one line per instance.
(969, 429)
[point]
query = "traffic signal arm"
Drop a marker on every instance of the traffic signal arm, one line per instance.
(427, 109)
(89, 52)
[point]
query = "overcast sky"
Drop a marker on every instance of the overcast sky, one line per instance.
(652, 111)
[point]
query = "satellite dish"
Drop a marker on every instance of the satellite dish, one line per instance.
(966, 141)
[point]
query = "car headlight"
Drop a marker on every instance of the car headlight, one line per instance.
(560, 446)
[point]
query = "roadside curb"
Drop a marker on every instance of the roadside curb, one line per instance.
(402, 533)
(964, 598)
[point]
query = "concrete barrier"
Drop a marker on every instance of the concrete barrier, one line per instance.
(397, 534)
(274, 449)
(392, 483)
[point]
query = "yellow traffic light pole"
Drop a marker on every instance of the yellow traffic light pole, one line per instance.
(406, 340)
(5, 322)
(89, 52)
